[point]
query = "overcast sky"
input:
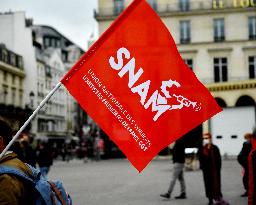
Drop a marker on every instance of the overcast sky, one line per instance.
(73, 18)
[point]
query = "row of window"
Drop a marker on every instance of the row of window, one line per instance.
(14, 78)
(218, 30)
(11, 58)
(44, 86)
(51, 42)
(48, 71)
(185, 26)
(119, 5)
(56, 43)
(11, 96)
(50, 126)
(48, 76)
(184, 5)
(220, 68)
(55, 109)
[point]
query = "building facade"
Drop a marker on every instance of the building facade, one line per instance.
(217, 39)
(11, 87)
(55, 55)
(16, 35)
(33, 59)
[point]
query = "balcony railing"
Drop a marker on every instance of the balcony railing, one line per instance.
(252, 36)
(219, 38)
(10, 57)
(231, 85)
(242, 80)
(185, 40)
(173, 8)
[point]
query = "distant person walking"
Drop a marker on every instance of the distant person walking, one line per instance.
(242, 158)
(26, 152)
(210, 163)
(178, 153)
(44, 158)
(252, 171)
(98, 148)
(63, 152)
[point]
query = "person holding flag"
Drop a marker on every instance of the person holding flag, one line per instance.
(13, 191)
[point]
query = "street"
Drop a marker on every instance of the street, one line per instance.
(116, 182)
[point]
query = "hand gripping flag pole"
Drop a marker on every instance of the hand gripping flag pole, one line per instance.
(30, 118)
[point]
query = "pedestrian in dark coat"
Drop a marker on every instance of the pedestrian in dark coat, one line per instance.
(242, 158)
(44, 158)
(210, 163)
(252, 171)
(13, 191)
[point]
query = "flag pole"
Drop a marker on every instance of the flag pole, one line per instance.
(30, 118)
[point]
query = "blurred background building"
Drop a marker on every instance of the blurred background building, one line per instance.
(12, 87)
(217, 40)
(55, 55)
(16, 37)
(33, 59)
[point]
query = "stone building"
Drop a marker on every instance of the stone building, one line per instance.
(16, 36)
(217, 39)
(33, 59)
(55, 55)
(11, 87)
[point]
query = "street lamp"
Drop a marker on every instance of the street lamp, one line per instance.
(31, 98)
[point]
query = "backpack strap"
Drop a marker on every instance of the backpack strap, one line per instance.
(41, 186)
(53, 199)
(36, 174)
(16, 172)
(57, 192)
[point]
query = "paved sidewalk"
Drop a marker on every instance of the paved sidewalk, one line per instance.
(116, 182)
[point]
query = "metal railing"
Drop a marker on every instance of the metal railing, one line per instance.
(231, 80)
(200, 5)
(11, 58)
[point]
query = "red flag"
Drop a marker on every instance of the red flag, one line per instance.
(135, 85)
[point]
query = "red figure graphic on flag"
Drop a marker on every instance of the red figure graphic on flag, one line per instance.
(137, 88)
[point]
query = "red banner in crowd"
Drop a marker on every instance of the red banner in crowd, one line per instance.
(137, 88)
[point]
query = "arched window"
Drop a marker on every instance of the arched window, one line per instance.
(245, 100)
(221, 102)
